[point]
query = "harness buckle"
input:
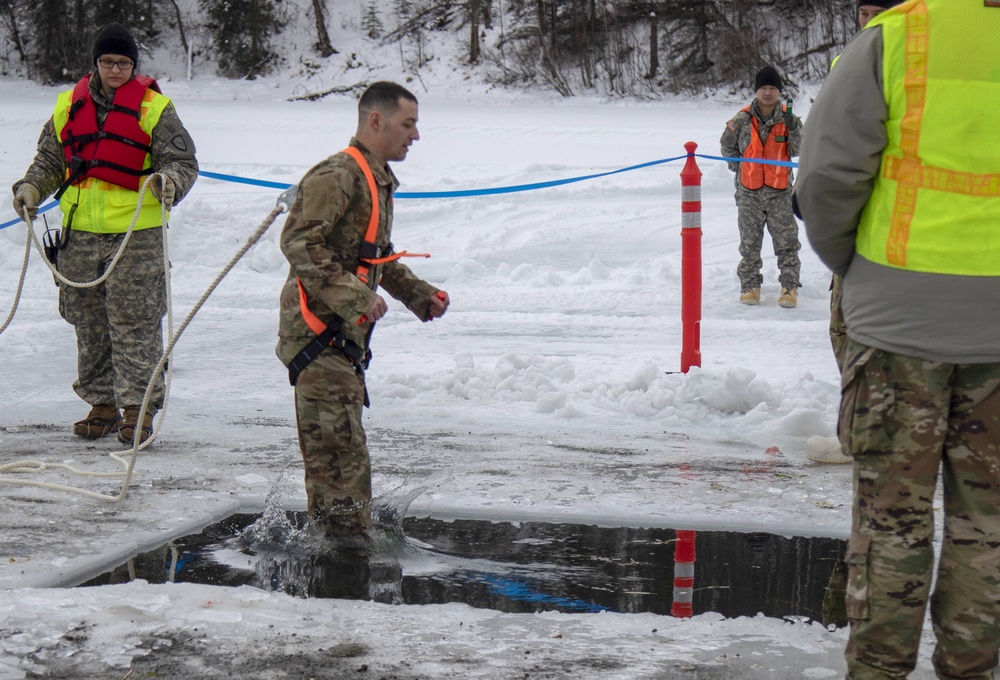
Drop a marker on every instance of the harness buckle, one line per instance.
(287, 198)
(76, 165)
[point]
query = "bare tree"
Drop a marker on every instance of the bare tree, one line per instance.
(654, 45)
(8, 15)
(474, 6)
(322, 36)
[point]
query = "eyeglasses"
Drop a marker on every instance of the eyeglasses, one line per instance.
(109, 64)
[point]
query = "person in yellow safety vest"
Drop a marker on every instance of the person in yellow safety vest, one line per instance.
(337, 243)
(765, 131)
(106, 135)
(867, 10)
(899, 187)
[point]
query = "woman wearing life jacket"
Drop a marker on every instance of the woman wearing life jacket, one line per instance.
(765, 131)
(106, 135)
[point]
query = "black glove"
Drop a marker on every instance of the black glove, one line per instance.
(787, 117)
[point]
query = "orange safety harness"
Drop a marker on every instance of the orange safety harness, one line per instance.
(328, 334)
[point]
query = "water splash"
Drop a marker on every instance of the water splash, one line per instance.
(389, 509)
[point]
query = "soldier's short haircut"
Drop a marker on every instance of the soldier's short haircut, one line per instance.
(384, 97)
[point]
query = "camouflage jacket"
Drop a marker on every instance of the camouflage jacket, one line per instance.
(736, 138)
(322, 239)
(173, 152)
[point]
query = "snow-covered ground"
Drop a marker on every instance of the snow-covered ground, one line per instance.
(550, 392)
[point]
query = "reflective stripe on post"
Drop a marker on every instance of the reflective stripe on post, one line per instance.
(690, 261)
(684, 556)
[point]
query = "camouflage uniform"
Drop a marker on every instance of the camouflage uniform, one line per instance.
(838, 326)
(765, 205)
(901, 418)
(118, 323)
(322, 239)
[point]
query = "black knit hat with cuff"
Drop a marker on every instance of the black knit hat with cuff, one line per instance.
(884, 4)
(116, 39)
(767, 76)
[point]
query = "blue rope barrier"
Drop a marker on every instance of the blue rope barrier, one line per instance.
(762, 161)
(45, 208)
(461, 193)
(466, 193)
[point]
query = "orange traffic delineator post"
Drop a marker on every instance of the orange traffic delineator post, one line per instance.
(690, 261)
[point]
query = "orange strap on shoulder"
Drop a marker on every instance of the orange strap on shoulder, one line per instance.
(372, 232)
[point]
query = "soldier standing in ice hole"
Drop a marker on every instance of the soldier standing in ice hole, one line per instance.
(336, 240)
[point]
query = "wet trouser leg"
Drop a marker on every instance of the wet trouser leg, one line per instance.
(329, 399)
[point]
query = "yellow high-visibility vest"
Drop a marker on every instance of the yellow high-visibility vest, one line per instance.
(935, 205)
(98, 206)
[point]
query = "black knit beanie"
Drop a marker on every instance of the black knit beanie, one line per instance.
(884, 4)
(767, 76)
(115, 39)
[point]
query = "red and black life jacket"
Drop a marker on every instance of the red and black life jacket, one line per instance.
(116, 151)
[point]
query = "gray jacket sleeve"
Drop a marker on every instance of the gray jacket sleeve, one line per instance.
(842, 151)
(48, 168)
(173, 152)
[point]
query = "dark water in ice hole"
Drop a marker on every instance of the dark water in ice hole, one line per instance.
(519, 567)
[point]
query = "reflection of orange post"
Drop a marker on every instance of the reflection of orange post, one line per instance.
(684, 557)
(690, 261)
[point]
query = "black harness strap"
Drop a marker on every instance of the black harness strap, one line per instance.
(78, 141)
(330, 337)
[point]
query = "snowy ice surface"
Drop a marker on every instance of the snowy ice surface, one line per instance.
(551, 391)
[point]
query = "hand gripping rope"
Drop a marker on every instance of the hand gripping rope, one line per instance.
(28, 466)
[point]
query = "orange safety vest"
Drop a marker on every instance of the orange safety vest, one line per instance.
(775, 148)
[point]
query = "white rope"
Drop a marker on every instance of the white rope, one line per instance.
(33, 238)
(20, 279)
(34, 466)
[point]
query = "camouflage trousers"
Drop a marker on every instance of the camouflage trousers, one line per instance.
(329, 398)
(838, 326)
(904, 419)
(119, 334)
(771, 208)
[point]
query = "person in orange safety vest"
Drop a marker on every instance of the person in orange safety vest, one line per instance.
(765, 130)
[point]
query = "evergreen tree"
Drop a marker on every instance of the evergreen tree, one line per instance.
(242, 31)
(371, 22)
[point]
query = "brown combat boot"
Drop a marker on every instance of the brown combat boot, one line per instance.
(789, 298)
(130, 418)
(750, 297)
(102, 420)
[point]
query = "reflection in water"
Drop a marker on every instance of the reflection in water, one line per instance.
(341, 575)
(684, 558)
(510, 567)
